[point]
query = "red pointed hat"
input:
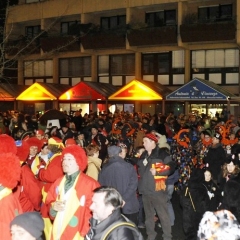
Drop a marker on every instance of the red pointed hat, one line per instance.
(151, 137)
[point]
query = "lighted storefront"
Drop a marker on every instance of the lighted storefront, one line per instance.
(140, 95)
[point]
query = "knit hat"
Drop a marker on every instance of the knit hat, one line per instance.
(79, 155)
(7, 144)
(113, 150)
(55, 141)
(151, 137)
(9, 170)
(219, 225)
(32, 222)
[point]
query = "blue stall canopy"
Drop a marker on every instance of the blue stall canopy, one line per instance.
(200, 90)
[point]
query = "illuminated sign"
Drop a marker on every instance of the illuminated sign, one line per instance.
(135, 90)
(36, 92)
(196, 90)
(82, 91)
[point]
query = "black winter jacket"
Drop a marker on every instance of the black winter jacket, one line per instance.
(215, 158)
(194, 201)
(120, 233)
(146, 182)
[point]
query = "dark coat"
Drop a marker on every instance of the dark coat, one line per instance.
(216, 197)
(121, 175)
(146, 182)
(215, 158)
(96, 231)
(195, 202)
(231, 198)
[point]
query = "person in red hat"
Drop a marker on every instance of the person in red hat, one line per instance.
(69, 198)
(39, 134)
(34, 148)
(48, 174)
(9, 176)
(154, 165)
(28, 189)
(70, 142)
(41, 159)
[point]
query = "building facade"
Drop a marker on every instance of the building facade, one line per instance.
(111, 41)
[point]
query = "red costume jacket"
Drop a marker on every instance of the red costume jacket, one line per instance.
(77, 207)
(9, 208)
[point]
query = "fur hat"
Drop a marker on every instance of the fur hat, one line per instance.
(32, 222)
(162, 142)
(23, 150)
(151, 137)
(219, 225)
(232, 158)
(33, 141)
(235, 149)
(10, 170)
(79, 155)
(7, 144)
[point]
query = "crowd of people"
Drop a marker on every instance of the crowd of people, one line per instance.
(111, 174)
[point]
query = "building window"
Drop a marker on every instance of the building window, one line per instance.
(223, 63)
(215, 13)
(33, 31)
(163, 63)
(122, 64)
(75, 67)
(161, 18)
(38, 68)
(166, 68)
(67, 28)
(113, 22)
(116, 69)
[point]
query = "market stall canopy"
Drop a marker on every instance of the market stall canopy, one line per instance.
(43, 92)
(141, 90)
(199, 90)
(9, 92)
(89, 91)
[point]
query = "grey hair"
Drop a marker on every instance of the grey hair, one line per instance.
(112, 196)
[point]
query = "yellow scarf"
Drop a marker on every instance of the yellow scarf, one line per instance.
(160, 180)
